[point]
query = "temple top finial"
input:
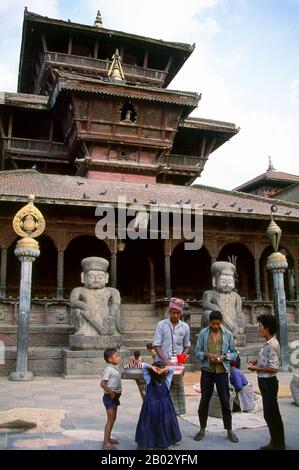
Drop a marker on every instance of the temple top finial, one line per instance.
(116, 71)
(271, 166)
(98, 21)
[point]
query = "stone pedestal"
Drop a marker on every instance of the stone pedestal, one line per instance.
(215, 407)
(95, 342)
(85, 356)
(87, 364)
(294, 387)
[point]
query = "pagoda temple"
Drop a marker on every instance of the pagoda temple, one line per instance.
(94, 119)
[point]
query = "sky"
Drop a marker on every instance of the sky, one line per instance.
(245, 64)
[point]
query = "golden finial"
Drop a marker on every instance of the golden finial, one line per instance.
(116, 70)
(29, 221)
(98, 21)
(273, 231)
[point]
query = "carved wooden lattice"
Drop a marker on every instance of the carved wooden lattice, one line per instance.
(83, 108)
(152, 116)
(103, 110)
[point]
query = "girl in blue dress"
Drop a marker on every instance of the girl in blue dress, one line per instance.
(158, 426)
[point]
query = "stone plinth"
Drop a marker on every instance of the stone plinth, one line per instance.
(83, 342)
(294, 387)
(215, 407)
(86, 363)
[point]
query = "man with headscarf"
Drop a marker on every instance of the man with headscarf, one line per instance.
(172, 337)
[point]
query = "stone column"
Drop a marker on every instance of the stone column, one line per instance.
(27, 256)
(114, 269)
(213, 260)
(3, 273)
(277, 264)
(168, 292)
(152, 281)
(266, 284)
(60, 270)
(257, 278)
(290, 285)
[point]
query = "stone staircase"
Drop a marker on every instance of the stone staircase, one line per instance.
(139, 323)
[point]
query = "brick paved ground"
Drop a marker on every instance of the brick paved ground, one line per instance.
(84, 417)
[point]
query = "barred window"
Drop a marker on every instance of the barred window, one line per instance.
(102, 110)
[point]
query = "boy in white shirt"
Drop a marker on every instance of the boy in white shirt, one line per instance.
(111, 383)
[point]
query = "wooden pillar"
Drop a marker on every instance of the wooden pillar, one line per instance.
(96, 49)
(168, 291)
(70, 45)
(10, 126)
(44, 43)
(3, 273)
(266, 289)
(60, 270)
(152, 281)
(257, 278)
(145, 60)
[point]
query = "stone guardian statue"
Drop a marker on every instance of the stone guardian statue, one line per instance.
(224, 299)
(95, 308)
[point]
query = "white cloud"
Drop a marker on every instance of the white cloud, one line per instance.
(11, 14)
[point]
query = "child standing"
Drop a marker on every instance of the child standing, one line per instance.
(158, 426)
(111, 383)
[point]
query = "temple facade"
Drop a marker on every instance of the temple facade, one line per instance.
(93, 120)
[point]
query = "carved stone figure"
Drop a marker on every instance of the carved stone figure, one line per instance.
(95, 308)
(128, 117)
(294, 386)
(224, 299)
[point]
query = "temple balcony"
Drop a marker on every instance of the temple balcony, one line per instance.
(172, 162)
(41, 150)
(132, 73)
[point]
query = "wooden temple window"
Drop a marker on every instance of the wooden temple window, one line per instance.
(102, 110)
(152, 116)
(128, 113)
(122, 155)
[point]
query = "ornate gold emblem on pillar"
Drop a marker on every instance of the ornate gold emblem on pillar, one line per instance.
(29, 223)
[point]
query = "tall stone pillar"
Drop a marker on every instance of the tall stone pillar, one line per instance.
(60, 270)
(3, 273)
(168, 291)
(257, 278)
(28, 223)
(277, 264)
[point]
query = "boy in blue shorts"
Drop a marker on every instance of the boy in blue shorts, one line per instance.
(111, 383)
